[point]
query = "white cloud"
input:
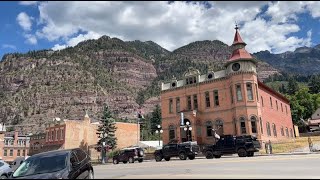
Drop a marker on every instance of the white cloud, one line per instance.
(24, 21)
(176, 24)
(74, 41)
(31, 39)
(27, 3)
(9, 46)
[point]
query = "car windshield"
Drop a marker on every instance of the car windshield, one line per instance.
(41, 165)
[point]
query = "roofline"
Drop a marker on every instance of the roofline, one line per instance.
(260, 84)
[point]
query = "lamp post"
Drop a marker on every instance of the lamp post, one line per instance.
(159, 131)
(104, 135)
(187, 128)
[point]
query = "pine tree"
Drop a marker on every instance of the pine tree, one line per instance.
(314, 84)
(108, 128)
(293, 86)
(155, 118)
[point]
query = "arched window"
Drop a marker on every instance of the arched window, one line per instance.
(268, 129)
(219, 126)
(274, 130)
(282, 131)
(291, 133)
(243, 125)
(172, 133)
(287, 132)
(253, 124)
(209, 128)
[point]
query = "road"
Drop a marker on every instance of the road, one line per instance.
(258, 167)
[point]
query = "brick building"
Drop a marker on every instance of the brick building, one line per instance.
(13, 144)
(68, 134)
(230, 101)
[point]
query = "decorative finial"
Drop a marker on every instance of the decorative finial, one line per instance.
(236, 28)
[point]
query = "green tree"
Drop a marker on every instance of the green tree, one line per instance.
(314, 84)
(108, 128)
(292, 86)
(155, 118)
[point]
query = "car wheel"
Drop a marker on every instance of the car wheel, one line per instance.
(131, 160)
(140, 160)
(124, 162)
(217, 156)
(242, 152)
(3, 177)
(209, 155)
(90, 176)
(250, 154)
(115, 161)
(167, 158)
(182, 156)
(158, 157)
(191, 157)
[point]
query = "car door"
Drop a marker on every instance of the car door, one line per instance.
(166, 150)
(229, 145)
(74, 166)
(174, 150)
(83, 165)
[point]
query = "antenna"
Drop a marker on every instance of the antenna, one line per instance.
(236, 25)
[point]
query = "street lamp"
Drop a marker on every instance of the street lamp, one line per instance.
(187, 128)
(104, 135)
(159, 131)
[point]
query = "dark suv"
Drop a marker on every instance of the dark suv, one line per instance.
(60, 164)
(182, 150)
(129, 155)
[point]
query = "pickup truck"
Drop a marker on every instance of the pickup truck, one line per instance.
(244, 146)
(181, 150)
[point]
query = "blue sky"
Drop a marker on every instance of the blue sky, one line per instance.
(274, 26)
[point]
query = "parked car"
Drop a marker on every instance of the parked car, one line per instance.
(5, 170)
(182, 150)
(245, 146)
(59, 164)
(17, 162)
(129, 155)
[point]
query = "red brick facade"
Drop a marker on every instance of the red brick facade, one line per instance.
(229, 101)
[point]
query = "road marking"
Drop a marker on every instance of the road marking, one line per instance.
(205, 161)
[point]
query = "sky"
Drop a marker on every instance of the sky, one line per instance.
(276, 26)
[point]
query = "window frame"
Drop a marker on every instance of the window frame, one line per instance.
(239, 92)
(249, 90)
(216, 98)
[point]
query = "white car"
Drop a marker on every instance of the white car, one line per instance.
(5, 170)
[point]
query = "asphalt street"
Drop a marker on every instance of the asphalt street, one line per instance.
(232, 167)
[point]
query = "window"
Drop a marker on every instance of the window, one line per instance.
(257, 92)
(243, 125)
(274, 130)
(191, 80)
(219, 127)
(231, 94)
(262, 101)
(177, 105)
(11, 142)
(58, 134)
(261, 125)
(5, 152)
(6, 142)
(172, 133)
(209, 128)
(282, 131)
(277, 105)
(170, 105)
(268, 129)
(207, 96)
(73, 158)
(286, 110)
(195, 101)
(52, 135)
(235, 127)
(56, 137)
(249, 91)
(189, 103)
(11, 152)
(291, 133)
(62, 134)
(281, 107)
(216, 98)
(239, 93)
(287, 133)
(253, 124)
(24, 152)
(47, 137)
(270, 102)
(18, 152)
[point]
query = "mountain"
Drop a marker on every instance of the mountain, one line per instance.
(37, 86)
(303, 60)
